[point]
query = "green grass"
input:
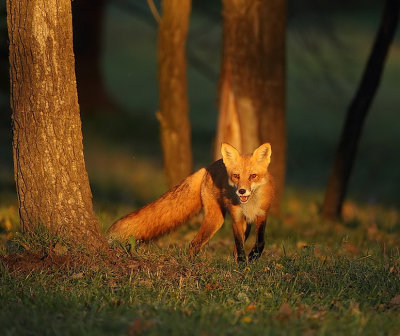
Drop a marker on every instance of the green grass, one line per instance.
(314, 278)
(289, 295)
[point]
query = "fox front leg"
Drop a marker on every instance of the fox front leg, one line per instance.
(239, 230)
(255, 253)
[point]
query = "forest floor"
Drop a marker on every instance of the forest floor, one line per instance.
(314, 278)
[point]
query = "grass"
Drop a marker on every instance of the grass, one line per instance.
(314, 278)
(290, 296)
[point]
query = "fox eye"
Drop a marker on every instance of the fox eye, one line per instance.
(236, 176)
(253, 176)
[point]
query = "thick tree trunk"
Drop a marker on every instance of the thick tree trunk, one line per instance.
(52, 184)
(348, 144)
(252, 81)
(173, 114)
(88, 32)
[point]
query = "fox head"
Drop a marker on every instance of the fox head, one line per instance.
(246, 172)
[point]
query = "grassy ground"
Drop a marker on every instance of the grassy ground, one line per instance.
(314, 278)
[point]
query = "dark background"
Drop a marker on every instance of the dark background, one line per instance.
(327, 47)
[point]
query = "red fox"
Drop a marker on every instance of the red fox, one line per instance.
(238, 183)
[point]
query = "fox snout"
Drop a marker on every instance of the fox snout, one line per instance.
(243, 194)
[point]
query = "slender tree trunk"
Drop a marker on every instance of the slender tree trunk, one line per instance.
(173, 114)
(358, 109)
(272, 117)
(52, 184)
(88, 19)
(252, 81)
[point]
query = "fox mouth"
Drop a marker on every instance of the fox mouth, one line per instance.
(243, 199)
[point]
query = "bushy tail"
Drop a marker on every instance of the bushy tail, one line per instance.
(165, 214)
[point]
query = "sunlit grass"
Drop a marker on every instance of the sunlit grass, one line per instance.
(295, 287)
(314, 277)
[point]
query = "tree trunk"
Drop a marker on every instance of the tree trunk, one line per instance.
(358, 109)
(173, 114)
(88, 33)
(252, 82)
(52, 184)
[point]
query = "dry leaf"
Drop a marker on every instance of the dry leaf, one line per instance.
(112, 283)
(354, 308)
(301, 244)
(395, 302)
(284, 312)
(77, 275)
(138, 327)
(251, 307)
(350, 248)
(60, 249)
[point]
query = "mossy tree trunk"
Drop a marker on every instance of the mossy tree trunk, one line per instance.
(51, 179)
(252, 82)
(174, 108)
(357, 112)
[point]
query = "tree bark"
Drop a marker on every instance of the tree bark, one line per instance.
(173, 113)
(252, 82)
(357, 112)
(51, 179)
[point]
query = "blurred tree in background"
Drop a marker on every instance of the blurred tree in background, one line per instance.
(326, 43)
(52, 184)
(174, 107)
(357, 112)
(252, 81)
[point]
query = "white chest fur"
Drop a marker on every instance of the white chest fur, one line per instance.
(252, 208)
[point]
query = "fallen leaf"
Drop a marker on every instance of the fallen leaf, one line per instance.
(112, 283)
(350, 248)
(138, 327)
(354, 308)
(60, 249)
(77, 275)
(301, 244)
(251, 307)
(284, 312)
(133, 265)
(212, 285)
(395, 301)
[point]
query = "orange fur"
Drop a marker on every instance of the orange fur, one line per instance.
(237, 183)
(163, 215)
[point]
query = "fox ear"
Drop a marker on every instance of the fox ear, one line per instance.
(230, 155)
(263, 154)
